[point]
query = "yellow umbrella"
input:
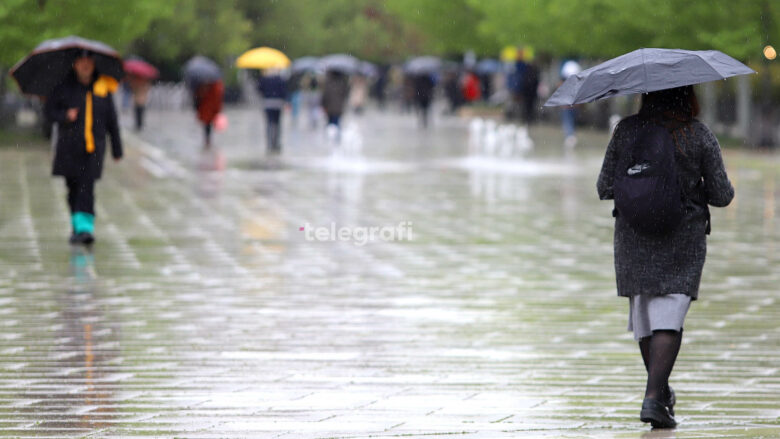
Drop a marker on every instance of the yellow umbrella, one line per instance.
(263, 58)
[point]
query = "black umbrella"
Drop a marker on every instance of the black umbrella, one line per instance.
(48, 64)
(340, 62)
(201, 70)
(646, 70)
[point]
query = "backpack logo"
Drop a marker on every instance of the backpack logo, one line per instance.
(647, 192)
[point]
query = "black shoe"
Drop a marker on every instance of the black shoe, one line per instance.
(671, 401)
(74, 239)
(657, 414)
(84, 238)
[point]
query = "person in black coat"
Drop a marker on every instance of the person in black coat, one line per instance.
(423, 95)
(83, 108)
(274, 91)
(660, 274)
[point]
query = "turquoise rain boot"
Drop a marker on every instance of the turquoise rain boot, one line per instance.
(84, 227)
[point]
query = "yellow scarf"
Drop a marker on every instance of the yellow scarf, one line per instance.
(102, 87)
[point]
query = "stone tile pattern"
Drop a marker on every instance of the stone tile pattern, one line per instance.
(203, 312)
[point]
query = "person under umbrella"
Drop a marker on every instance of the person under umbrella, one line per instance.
(274, 90)
(663, 168)
(334, 98)
(271, 86)
(204, 79)
(423, 96)
(140, 75)
(83, 108)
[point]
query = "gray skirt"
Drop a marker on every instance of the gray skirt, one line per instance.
(652, 313)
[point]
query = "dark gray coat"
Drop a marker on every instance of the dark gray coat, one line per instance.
(653, 265)
(334, 94)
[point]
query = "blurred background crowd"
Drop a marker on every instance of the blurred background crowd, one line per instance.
(500, 58)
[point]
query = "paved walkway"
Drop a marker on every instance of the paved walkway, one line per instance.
(205, 312)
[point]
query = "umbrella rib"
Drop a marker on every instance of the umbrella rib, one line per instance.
(644, 68)
(710, 66)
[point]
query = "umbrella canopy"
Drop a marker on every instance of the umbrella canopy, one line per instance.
(138, 67)
(368, 69)
(305, 64)
(340, 62)
(488, 66)
(263, 58)
(201, 70)
(423, 65)
(646, 70)
(48, 64)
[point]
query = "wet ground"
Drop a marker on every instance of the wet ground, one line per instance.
(203, 310)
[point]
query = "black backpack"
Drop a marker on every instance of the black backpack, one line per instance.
(647, 192)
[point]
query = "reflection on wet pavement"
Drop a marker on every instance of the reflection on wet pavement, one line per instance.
(203, 311)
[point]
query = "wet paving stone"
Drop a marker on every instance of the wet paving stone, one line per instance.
(202, 311)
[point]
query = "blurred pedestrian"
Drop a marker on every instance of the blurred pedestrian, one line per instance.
(451, 85)
(569, 113)
(83, 108)
(358, 93)
(295, 95)
(530, 92)
(140, 88)
(660, 273)
(379, 87)
(310, 94)
(516, 83)
(470, 88)
(273, 88)
(335, 92)
(207, 98)
(423, 96)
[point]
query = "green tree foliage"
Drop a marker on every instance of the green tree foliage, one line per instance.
(364, 28)
(606, 28)
(216, 29)
(26, 23)
(448, 27)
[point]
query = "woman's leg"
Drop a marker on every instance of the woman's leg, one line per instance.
(81, 198)
(272, 118)
(139, 117)
(660, 353)
(207, 132)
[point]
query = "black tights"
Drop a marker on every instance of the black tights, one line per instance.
(659, 352)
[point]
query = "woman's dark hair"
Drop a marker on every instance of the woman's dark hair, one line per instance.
(674, 108)
(674, 103)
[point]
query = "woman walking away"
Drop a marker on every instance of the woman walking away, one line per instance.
(207, 98)
(83, 107)
(274, 91)
(334, 99)
(659, 259)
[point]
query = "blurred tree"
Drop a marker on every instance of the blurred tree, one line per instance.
(607, 28)
(26, 23)
(363, 28)
(448, 27)
(218, 30)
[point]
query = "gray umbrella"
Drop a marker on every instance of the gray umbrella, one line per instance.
(489, 66)
(340, 62)
(201, 70)
(305, 64)
(646, 70)
(423, 65)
